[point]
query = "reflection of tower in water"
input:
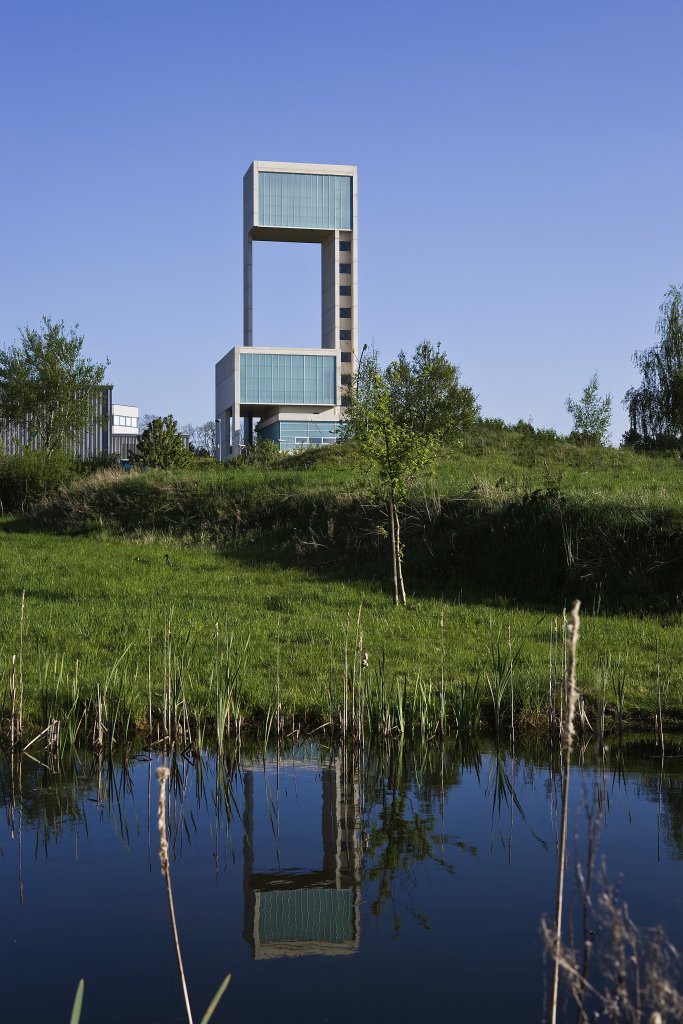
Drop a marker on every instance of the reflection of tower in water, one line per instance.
(291, 912)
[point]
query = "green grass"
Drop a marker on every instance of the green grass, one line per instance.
(513, 516)
(125, 574)
(94, 602)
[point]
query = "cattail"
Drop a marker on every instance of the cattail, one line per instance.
(162, 775)
(568, 736)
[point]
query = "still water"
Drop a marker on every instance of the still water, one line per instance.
(396, 884)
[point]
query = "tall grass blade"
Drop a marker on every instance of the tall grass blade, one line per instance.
(78, 1003)
(216, 1000)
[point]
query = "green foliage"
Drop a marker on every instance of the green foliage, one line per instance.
(426, 395)
(160, 446)
(264, 453)
(519, 516)
(592, 414)
(104, 460)
(47, 384)
(32, 475)
(397, 452)
(73, 612)
(655, 408)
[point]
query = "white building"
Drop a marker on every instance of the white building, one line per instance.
(295, 393)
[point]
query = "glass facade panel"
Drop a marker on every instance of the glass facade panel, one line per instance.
(300, 433)
(270, 379)
(305, 201)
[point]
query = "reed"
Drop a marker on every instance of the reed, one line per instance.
(467, 708)
(568, 742)
(162, 776)
(499, 680)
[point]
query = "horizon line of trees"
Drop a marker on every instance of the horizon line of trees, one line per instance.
(46, 384)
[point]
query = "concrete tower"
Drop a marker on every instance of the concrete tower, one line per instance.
(296, 393)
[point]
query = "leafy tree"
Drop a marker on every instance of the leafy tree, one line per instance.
(655, 409)
(427, 396)
(160, 445)
(396, 451)
(46, 384)
(592, 414)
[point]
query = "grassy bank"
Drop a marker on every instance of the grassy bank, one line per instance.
(130, 617)
(513, 516)
(135, 584)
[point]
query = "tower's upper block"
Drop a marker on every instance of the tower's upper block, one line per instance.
(299, 197)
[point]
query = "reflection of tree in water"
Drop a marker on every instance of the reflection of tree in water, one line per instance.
(404, 798)
(672, 819)
(53, 804)
(661, 781)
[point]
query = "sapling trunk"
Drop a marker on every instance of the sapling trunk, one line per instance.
(392, 537)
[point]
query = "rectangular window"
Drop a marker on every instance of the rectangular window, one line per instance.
(299, 200)
(344, 247)
(345, 314)
(346, 357)
(345, 335)
(270, 378)
(344, 268)
(346, 378)
(345, 289)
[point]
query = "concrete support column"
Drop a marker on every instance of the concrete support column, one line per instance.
(248, 292)
(237, 439)
(329, 278)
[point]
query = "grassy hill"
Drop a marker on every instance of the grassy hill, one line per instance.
(514, 515)
(135, 583)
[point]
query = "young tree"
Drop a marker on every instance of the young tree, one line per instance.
(160, 446)
(48, 385)
(396, 450)
(427, 396)
(592, 414)
(655, 409)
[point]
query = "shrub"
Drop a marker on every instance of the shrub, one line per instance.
(160, 446)
(32, 475)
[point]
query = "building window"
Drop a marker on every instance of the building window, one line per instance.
(345, 335)
(346, 357)
(344, 247)
(344, 289)
(346, 378)
(344, 268)
(345, 314)
(345, 402)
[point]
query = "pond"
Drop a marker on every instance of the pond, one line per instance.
(381, 884)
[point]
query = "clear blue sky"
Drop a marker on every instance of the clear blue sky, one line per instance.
(531, 219)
